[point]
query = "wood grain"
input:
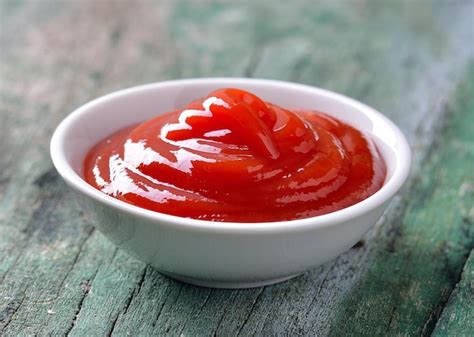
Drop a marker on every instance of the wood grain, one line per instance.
(458, 315)
(419, 262)
(410, 60)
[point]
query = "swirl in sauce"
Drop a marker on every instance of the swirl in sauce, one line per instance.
(232, 157)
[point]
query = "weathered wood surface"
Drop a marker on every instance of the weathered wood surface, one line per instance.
(413, 60)
(458, 311)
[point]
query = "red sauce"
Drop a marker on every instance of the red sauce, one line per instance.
(232, 157)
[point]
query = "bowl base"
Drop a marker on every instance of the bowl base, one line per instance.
(228, 284)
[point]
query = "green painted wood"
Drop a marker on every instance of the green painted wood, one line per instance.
(60, 276)
(457, 318)
(418, 263)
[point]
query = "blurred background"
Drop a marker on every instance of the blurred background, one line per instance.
(386, 53)
(399, 56)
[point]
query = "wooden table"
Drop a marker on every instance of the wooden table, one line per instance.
(413, 274)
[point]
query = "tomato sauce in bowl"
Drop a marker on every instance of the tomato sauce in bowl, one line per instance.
(232, 157)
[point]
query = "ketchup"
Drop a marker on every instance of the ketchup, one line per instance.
(232, 157)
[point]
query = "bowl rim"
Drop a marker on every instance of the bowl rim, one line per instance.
(390, 187)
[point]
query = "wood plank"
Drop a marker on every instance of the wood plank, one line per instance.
(60, 276)
(418, 263)
(457, 318)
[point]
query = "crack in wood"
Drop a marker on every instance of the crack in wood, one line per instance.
(161, 308)
(175, 301)
(87, 286)
(257, 298)
(20, 254)
(39, 216)
(434, 316)
(76, 259)
(181, 285)
(199, 312)
(11, 313)
(224, 312)
(133, 294)
(308, 310)
(390, 317)
(145, 275)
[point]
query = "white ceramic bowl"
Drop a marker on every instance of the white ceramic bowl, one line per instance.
(216, 254)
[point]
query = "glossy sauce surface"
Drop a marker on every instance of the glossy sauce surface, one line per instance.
(232, 157)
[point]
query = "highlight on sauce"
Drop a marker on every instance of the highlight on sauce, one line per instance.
(233, 157)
